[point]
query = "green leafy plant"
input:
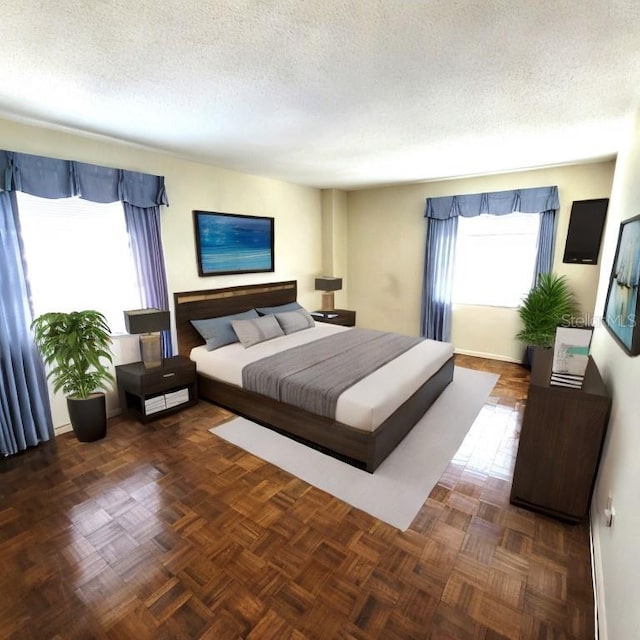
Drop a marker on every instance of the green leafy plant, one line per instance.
(549, 304)
(75, 346)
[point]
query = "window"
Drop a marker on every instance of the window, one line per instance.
(495, 259)
(78, 257)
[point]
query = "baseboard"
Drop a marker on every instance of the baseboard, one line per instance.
(489, 356)
(63, 428)
(598, 587)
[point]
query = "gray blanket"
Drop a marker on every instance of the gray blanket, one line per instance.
(312, 376)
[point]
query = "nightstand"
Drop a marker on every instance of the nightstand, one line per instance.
(343, 317)
(152, 393)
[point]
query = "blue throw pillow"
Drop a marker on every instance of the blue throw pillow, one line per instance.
(268, 311)
(217, 332)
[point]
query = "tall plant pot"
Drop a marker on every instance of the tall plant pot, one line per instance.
(88, 416)
(528, 356)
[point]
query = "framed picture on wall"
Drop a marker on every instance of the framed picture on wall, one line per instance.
(621, 308)
(229, 243)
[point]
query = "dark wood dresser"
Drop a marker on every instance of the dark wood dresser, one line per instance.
(561, 441)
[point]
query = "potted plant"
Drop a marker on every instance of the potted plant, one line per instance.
(549, 304)
(75, 348)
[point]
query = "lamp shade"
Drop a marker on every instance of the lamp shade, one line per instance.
(146, 320)
(327, 283)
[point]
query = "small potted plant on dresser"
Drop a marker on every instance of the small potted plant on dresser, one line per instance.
(548, 305)
(75, 348)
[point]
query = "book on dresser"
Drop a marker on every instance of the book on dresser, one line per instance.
(570, 356)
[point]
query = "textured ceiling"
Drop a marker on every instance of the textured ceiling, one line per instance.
(332, 93)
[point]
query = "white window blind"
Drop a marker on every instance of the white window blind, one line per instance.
(495, 259)
(78, 257)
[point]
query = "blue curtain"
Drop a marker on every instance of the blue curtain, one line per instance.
(53, 178)
(436, 310)
(438, 278)
(546, 242)
(25, 415)
(496, 203)
(143, 227)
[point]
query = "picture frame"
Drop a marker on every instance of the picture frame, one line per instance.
(621, 306)
(231, 243)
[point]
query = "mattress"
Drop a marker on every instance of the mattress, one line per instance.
(365, 405)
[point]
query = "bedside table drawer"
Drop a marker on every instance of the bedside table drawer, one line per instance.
(163, 379)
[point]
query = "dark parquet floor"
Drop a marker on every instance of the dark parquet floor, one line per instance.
(165, 531)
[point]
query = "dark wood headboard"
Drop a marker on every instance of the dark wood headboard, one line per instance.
(212, 303)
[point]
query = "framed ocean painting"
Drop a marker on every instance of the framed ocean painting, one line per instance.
(621, 308)
(232, 243)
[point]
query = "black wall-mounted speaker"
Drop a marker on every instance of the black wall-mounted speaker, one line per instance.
(585, 231)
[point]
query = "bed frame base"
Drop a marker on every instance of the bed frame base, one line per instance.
(363, 449)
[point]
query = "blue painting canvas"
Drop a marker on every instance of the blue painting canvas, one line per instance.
(621, 307)
(232, 243)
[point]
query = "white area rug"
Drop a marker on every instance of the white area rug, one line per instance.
(400, 485)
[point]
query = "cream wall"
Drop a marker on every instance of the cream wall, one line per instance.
(386, 240)
(296, 209)
(617, 549)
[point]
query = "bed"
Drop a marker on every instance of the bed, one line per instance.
(378, 428)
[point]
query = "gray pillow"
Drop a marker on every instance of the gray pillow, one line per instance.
(218, 332)
(267, 311)
(292, 321)
(252, 332)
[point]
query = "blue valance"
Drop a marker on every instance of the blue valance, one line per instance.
(496, 203)
(53, 178)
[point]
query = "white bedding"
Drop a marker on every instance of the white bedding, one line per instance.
(368, 403)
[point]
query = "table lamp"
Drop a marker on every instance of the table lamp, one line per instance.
(148, 323)
(328, 284)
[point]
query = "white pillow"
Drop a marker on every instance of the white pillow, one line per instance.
(292, 321)
(258, 330)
